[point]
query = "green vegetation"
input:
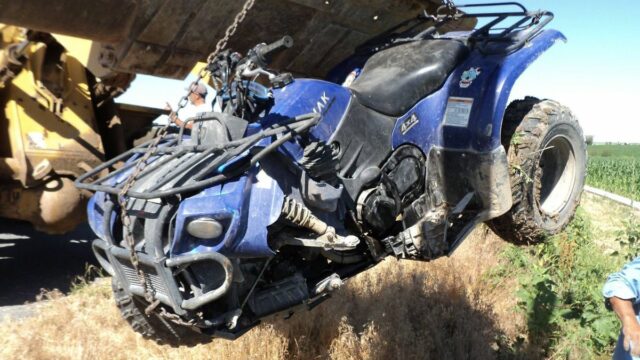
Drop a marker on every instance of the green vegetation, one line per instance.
(615, 151)
(560, 283)
(615, 168)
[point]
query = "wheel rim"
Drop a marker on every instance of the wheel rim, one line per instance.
(556, 175)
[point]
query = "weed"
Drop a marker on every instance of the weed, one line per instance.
(516, 139)
(629, 238)
(520, 172)
(460, 307)
(560, 293)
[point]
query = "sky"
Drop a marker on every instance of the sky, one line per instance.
(596, 73)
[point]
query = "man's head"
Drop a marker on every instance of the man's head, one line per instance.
(197, 93)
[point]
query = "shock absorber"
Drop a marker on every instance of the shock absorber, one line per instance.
(300, 215)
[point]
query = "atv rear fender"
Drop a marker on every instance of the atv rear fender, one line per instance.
(467, 155)
(489, 92)
(508, 72)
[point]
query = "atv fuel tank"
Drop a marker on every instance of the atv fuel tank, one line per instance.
(305, 96)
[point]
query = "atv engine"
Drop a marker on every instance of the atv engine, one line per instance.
(399, 183)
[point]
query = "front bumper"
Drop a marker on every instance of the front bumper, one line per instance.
(161, 273)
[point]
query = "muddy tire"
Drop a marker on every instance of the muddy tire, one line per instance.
(547, 159)
(153, 327)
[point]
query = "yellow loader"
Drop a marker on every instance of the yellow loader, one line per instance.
(57, 120)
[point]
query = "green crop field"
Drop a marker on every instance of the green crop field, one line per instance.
(615, 168)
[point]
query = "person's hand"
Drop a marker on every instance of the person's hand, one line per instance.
(172, 116)
(168, 108)
(630, 326)
(631, 331)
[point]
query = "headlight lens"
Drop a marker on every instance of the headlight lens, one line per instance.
(205, 228)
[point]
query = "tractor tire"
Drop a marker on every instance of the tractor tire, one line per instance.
(154, 327)
(547, 159)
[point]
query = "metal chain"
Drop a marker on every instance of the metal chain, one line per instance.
(141, 163)
(449, 4)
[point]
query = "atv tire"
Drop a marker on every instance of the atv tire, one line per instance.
(547, 159)
(161, 330)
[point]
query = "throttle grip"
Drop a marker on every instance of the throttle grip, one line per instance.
(263, 52)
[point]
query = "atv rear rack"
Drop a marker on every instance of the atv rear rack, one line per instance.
(221, 161)
(529, 24)
(488, 38)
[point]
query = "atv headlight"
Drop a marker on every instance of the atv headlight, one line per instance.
(205, 228)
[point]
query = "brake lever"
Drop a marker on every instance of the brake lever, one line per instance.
(247, 72)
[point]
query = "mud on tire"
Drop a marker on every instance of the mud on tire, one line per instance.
(547, 159)
(153, 327)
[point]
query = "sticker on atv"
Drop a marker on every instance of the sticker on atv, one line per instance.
(468, 76)
(458, 111)
(409, 123)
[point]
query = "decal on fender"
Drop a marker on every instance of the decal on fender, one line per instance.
(468, 76)
(410, 122)
(458, 111)
(322, 104)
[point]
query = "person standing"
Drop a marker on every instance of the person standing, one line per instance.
(622, 295)
(197, 101)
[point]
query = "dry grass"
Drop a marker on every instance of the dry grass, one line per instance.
(446, 309)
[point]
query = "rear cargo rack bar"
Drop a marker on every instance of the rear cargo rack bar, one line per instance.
(537, 21)
(218, 156)
(513, 36)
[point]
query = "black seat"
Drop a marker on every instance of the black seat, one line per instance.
(395, 79)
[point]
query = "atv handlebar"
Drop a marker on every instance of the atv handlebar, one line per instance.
(262, 53)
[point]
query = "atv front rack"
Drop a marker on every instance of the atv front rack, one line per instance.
(219, 162)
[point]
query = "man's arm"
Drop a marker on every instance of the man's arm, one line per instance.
(621, 291)
(173, 117)
(630, 326)
(179, 122)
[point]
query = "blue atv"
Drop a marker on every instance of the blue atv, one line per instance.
(299, 184)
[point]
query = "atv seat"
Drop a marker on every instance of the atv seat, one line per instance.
(395, 79)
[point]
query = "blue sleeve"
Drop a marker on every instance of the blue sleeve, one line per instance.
(624, 284)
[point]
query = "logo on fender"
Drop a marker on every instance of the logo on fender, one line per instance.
(409, 123)
(468, 76)
(322, 104)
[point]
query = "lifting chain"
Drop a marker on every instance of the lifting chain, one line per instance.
(451, 7)
(449, 4)
(141, 163)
